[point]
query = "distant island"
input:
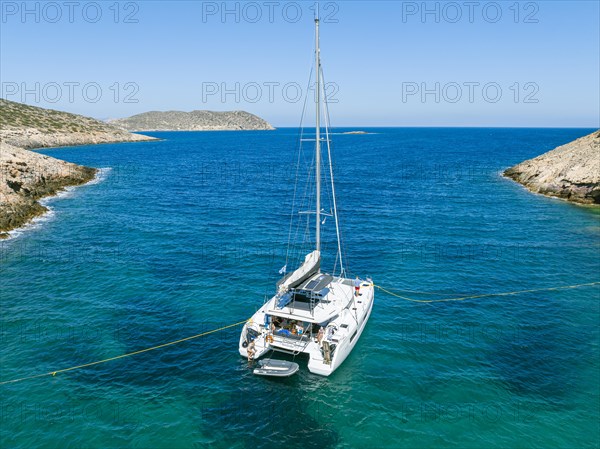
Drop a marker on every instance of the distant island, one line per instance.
(193, 121)
(571, 171)
(26, 176)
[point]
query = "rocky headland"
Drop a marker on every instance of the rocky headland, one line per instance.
(570, 172)
(26, 176)
(30, 127)
(193, 121)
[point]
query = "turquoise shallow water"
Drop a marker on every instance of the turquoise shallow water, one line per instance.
(186, 234)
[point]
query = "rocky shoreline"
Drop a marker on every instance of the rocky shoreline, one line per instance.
(31, 138)
(570, 172)
(26, 176)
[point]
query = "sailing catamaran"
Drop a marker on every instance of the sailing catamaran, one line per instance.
(314, 313)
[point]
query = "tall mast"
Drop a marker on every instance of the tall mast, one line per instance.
(318, 132)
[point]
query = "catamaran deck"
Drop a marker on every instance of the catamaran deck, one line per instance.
(317, 300)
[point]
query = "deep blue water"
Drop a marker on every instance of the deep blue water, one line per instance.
(186, 234)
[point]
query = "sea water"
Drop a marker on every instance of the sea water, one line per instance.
(186, 234)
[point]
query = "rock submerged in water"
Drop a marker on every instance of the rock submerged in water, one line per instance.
(570, 172)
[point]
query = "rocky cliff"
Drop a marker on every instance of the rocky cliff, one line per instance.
(192, 121)
(571, 171)
(26, 176)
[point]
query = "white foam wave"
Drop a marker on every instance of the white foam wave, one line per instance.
(35, 223)
(66, 192)
(100, 176)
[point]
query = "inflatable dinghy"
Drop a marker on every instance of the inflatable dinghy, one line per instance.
(276, 368)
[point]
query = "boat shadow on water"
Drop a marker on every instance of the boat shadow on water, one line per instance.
(271, 411)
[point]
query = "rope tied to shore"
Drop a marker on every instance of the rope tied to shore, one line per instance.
(129, 354)
(486, 295)
(181, 340)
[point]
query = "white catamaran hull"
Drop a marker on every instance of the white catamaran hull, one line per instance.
(343, 318)
(316, 365)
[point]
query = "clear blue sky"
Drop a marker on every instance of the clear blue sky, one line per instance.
(490, 64)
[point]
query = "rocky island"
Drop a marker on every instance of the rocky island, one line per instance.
(26, 176)
(570, 172)
(193, 121)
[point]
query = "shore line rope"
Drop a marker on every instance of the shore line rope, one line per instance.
(54, 373)
(181, 340)
(463, 298)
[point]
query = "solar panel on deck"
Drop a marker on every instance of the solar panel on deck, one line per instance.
(317, 284)
(311, 284)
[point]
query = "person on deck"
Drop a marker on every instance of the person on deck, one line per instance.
(357, 286)
(320, 335)
(251, 351)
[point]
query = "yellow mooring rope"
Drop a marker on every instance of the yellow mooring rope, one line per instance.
(462, 298)
(54, 373)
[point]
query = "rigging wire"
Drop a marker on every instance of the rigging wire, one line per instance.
(301, 135)
(333, 198)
